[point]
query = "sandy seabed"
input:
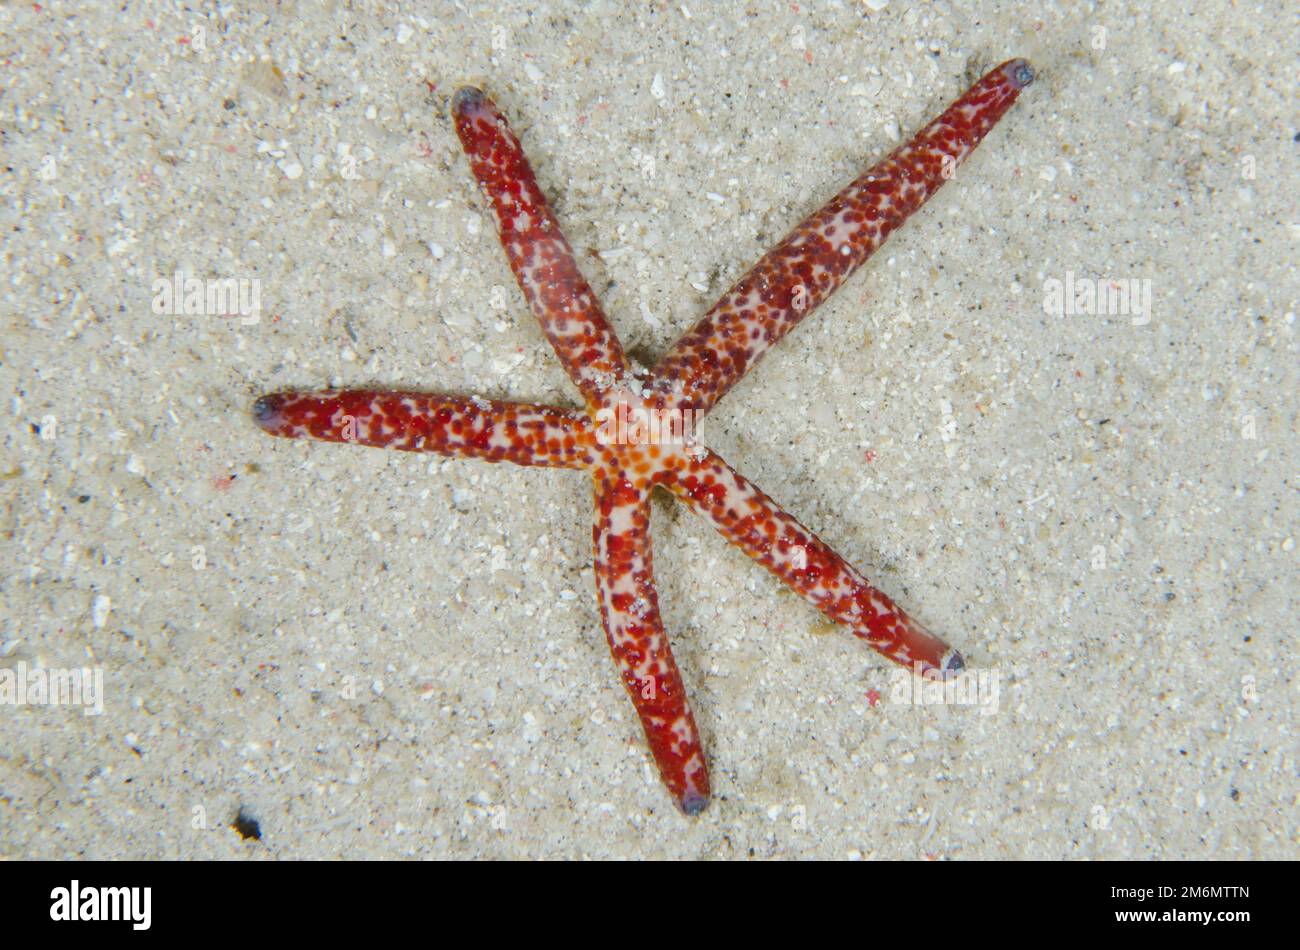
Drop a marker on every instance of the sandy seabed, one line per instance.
(374, 654)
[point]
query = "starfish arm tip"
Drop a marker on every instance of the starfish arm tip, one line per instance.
(266, 412)
(466, 99)
(692, 803)
(952, 665)
(1022, 74)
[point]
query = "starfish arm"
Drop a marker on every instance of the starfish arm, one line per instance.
(422, 422)
(539, 255)
(792, 279)
(629, 609)
(755, 523)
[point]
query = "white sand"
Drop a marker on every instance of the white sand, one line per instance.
(387, 655)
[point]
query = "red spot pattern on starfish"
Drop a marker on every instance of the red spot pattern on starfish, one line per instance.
(778, 292)
(811, 263)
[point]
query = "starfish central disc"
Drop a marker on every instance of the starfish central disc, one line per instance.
(645, 439)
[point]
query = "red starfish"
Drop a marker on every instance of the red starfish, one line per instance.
(635, 430)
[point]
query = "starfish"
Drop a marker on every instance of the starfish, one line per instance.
(635, 430)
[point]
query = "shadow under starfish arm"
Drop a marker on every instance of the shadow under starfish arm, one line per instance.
(801, 272)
